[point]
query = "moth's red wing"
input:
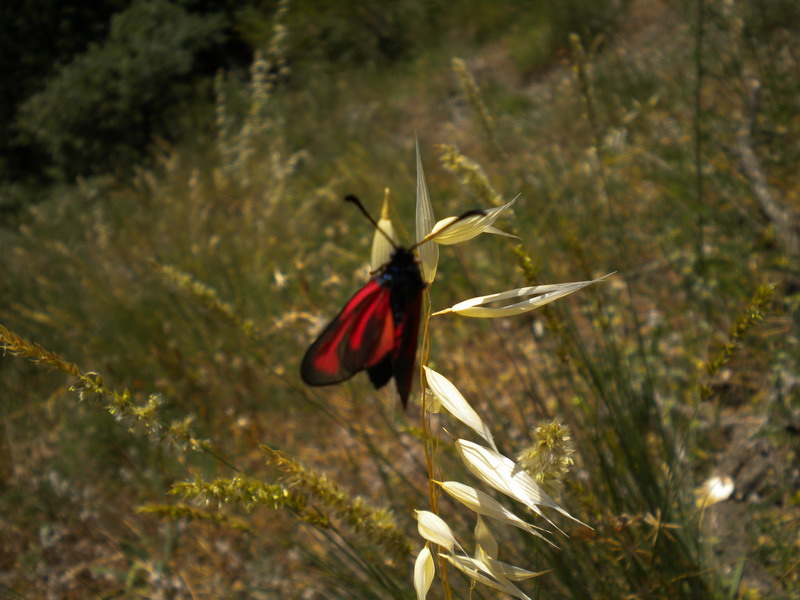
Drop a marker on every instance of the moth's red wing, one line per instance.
(358, 338)
(404, 353)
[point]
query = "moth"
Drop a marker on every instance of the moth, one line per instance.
(378, 328)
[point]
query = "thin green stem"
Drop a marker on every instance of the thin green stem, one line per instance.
(698, 133)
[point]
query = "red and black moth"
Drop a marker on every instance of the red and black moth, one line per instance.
(378, 327)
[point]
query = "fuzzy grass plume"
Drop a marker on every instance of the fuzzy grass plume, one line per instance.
(144, 418)
(376, 525)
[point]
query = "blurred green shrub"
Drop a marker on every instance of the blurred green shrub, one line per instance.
(541, 30)
(36, 37)
(103, 108)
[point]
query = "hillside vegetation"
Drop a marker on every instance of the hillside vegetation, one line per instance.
(157, 441)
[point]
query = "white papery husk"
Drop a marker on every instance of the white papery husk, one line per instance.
(534, 297)
(428, 252)
(484, 540)
(483, 504)
(469, 227)
(382, 248)
(504, 475)
(424, 572)
(433, 528)
(479, 571)
(451, 399)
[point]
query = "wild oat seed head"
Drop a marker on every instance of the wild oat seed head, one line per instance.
(428, 252)
(504, 475)
(483, 504)
(448, 396)
(424, 571)
(480, 571)
(433, 528)
(382, 248)
(470, 227)
(517, 301)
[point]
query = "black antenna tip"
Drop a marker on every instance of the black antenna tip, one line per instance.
(357, 202)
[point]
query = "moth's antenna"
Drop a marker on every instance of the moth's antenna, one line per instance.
(357, 202)
(470, 213)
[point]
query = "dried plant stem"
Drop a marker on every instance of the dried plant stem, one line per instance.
(785, 221)
(698, 131)
(429, 443)
(424, 415)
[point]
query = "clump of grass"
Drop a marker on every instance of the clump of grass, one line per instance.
(241, 143)
(377, 526)
(642, 441)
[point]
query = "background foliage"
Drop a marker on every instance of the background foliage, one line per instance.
(172, 223)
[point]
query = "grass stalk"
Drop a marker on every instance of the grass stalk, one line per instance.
(697, 123)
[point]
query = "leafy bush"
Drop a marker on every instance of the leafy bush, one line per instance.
(36, 37)
(105, 106)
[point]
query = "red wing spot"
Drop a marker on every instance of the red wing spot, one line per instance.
(362, 334)
(358, 338)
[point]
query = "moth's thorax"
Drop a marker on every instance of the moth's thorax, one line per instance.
(401, 272)
(402, 276)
